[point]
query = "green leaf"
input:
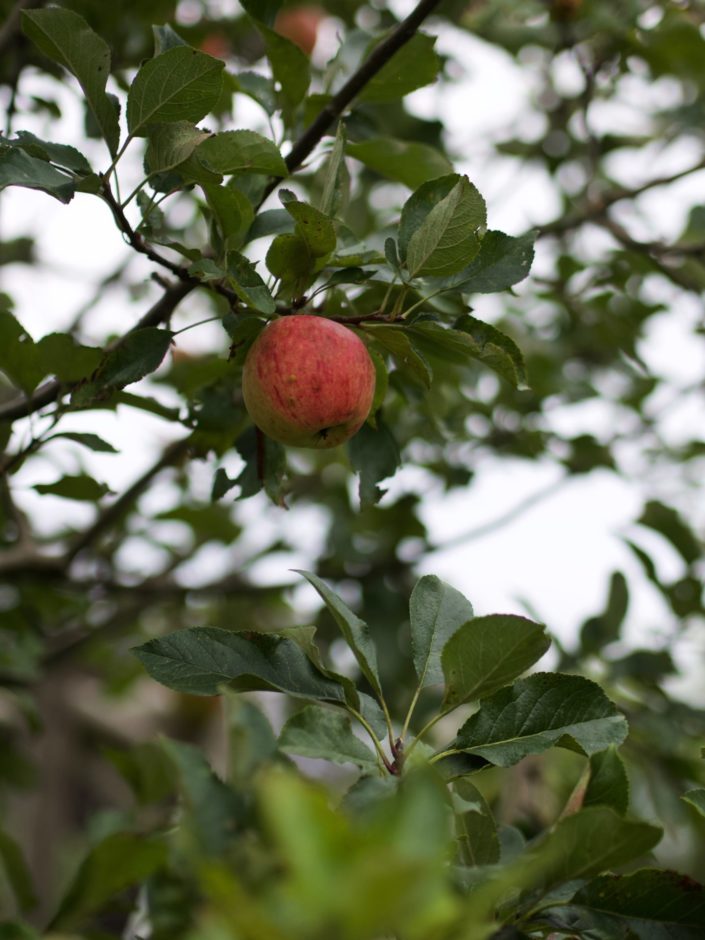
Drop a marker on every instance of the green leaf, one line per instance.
(119, 861)
(233, 212)
(436, 612)
(413, 66)
(242, 152)
(319, 732)
(15, 868)
(68, 158)
(476, 829)
(248, 285)
(19, 359)
(355, 631)
(60, 355)
(538, 712)
(404, 162)
(335, 177)
(487, 653)
(91, 441)
(199, 660)
(289, 258)
(502, 261)
(18, 168)
(696, 798)
(291, 69)
(251, 740)
(651, 904)
(314, 227)
(264, 11)
(270, 222)
(265, 466)
(445, 238)
(138, 354)
(399, 342)
(214, 812)
(80, 487)
(598, 631)
(170, 144)
(667, 521)
(181, 84)
(258, 87)
(166, 38)
(608, 784)
(66, 38)
(374, 455)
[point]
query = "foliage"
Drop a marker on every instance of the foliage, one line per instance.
(482, 801)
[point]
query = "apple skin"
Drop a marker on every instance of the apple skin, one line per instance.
(308, 381)
(300, 25)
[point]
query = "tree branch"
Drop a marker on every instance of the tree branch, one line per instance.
(379, 57)
(158, 313)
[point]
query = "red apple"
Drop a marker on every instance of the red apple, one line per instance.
(300, 25)
(308, 381)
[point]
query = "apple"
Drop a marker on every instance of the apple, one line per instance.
(300, 25)
(308, 381)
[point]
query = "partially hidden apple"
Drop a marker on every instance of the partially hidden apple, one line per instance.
(308, 381)
(300, 25)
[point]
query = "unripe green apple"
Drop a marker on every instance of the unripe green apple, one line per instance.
(308, 381)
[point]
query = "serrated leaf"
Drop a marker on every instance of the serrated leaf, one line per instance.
(608, 784)
(436, 612)
(416, 64)
(214, 811)
(248, 285)
(319, 732)
(18, 168)
(399, 342)
(68, 39)
(502, 261)
(538, 712)
(233, 212)
(354, 630)
(139, 353)
(242, 152)
(13, 865)
(64, 156)
(80, 487)
(168, 145)
(374, 454)
(448, 237)
(181, 84)
(651, 904)
(696, 798)
(488, 652)
(199, 660)
(119, 861)
(403, 161)
(314, 227)
(426, 198)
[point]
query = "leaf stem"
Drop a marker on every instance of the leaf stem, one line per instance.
(427, 727)
(382, 757)
(407, 720)
(191, 326)
(448, 753)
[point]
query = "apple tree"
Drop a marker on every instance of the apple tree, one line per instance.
(197, 742)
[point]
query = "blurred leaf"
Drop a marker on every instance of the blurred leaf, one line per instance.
(66, 38)
(80, 487)
(404, 162)
(19, 359)
(265, 466)
(119, 861)
(198, 660)
(166, 38)
(436, 612)
(355, 631)
(486, 653)
(251, 741)
(608, 784)
(91, 441)
(416, 64)
(440, 227)
(180, 84)
(696, 798)
(291, 69)
(374, 455)
(667, 521)
(60, 355)
(536, 713)
(242, 152)
(214, 811)
(598, 631)
(264, 11)
(145, 768)
(319, 732)
(16, 872)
